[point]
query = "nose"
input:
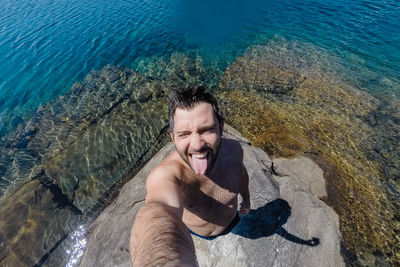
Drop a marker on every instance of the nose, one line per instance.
(197, 143)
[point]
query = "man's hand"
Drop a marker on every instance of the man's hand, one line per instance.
(244, 192)
(244, 207)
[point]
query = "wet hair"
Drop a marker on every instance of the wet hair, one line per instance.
(188, 98)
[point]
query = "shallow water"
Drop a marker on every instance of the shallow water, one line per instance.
(46, 46)
(303, 61)
(290, 110)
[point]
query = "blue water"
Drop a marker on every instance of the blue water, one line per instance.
(46, 46)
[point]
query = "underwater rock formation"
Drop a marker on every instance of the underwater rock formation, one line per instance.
(78, 150)
(287, 226)
(285, 100)
(27, 232)
(67, 157)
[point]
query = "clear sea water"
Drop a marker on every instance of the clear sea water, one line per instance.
(46, 46)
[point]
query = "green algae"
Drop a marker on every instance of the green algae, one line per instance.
(285, 99)
(288, 110)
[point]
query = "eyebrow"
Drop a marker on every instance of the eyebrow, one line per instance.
(183, 132)
(202, 129)
(207, 127)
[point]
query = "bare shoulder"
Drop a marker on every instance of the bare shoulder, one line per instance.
(166, 172)
(162, 184)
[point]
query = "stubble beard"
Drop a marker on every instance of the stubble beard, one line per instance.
(212, 155)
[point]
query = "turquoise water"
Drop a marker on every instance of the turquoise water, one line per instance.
(46, 46)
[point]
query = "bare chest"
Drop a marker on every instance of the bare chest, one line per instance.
(213, 198)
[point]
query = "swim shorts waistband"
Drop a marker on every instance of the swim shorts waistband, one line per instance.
(227, 230)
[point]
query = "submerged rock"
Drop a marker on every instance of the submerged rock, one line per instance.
(287, 226)
(86, 140)
(300, 106)
(79, 149)
(59, 168)
(26, 231)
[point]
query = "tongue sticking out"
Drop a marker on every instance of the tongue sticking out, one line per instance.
(199, 165)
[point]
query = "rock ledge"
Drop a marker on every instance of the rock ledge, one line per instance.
(287, 226)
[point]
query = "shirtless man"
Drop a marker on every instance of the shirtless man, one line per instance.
(194, 190)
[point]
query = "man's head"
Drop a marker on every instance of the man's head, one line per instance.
(196, 127)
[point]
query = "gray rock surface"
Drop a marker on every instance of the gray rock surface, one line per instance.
(287, 226)
(308, 174)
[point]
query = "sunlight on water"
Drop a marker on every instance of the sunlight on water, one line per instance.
(319, 78)
(75, 253)
(58, 43)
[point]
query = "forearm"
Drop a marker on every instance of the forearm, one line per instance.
(159, 237)
(245, 197)
(244, 191)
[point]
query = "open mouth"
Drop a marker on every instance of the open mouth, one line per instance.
(199, 162)
(200, 155)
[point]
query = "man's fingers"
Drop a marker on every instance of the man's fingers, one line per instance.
(244, 211)
(244, 208)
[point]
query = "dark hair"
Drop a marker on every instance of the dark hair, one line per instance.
(188, 97)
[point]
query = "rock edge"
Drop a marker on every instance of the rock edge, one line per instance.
(288, 225)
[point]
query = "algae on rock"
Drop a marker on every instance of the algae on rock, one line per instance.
(292, 105)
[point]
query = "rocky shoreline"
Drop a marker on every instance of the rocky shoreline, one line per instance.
(59, 169)
(288, 224)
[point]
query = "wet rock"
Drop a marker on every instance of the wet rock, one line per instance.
(287, 226)
(255, 72)
(84, 144)
(179, 69)
(88, 139)
(26, 233)
(78, 147)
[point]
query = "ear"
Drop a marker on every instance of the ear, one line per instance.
(171, 135)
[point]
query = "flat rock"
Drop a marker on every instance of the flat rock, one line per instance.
(287, 226)
(308, 174)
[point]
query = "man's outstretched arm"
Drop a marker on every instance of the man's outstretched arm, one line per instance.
(159, 237)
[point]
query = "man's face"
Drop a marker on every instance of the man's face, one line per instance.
(197, 136)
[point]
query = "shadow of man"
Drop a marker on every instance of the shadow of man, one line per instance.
(268, 220)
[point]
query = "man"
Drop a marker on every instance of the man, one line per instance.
(194, 190)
